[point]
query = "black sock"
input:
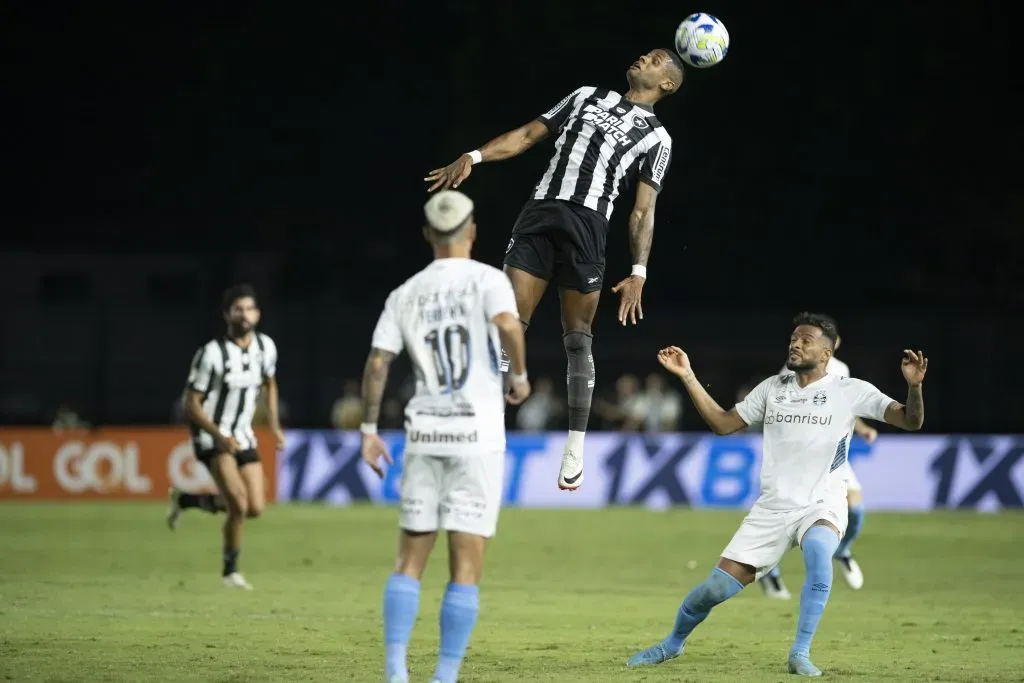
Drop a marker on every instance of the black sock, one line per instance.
(203, 501)
(579, 378)
(231, 560)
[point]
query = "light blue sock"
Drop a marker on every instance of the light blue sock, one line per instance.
(401, 602)
(714, 590)
(459, 608)
(819, 544)
(775, 572)
(856, 521)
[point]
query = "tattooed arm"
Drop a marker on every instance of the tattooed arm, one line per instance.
(375, 377)
(910, 416)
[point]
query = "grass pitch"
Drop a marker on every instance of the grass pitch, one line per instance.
(103, 592)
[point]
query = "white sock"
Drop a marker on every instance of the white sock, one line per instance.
(575, 442)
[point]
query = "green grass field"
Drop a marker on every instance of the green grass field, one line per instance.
(103, 592)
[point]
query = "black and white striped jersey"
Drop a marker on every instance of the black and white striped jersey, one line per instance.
(603, 142)
(230, 378)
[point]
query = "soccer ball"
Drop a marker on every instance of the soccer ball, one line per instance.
(702, 40)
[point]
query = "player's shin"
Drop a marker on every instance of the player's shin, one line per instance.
(232, 540)
(714, 590)
(818, 545)
(459, 611)
(401, 603)
(580, 380)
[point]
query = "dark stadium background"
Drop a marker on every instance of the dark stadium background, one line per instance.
(158, 152)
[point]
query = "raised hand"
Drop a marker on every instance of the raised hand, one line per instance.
(449, 177)
(675, 360)
(914, 366)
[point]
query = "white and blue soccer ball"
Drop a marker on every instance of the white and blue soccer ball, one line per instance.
(702, 40)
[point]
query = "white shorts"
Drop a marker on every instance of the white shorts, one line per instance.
(850, 477)
(765, 536)
(453, 493)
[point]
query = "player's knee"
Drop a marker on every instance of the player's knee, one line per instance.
(578, 341)
(819, 544)
(466, 568)
(466, 557)
(237, 503)
(254, 509)
(716, 589)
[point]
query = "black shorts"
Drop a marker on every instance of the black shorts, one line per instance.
(560, 242)
(243, 458)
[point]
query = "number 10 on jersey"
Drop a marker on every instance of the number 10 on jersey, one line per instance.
(450, 349)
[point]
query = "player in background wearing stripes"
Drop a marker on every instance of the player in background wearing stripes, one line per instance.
(808, 421)
(604, 142)
(224, 383)
(451, 318)
(772, 583)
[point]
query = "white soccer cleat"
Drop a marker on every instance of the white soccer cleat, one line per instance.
(570, 476)
(174, 511)
(774, 588)
(851, 572)
(236, 580)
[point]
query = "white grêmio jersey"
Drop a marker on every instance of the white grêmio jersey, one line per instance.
(442, 317)
(834, 367)
(807, 435)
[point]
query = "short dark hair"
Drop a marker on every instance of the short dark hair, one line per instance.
(234, 293)
(677, 62)
(825, 323)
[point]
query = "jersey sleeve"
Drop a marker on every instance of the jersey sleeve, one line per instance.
(269, 357)
(201, 372)
(387, 336)
(868, 401)
(498, 296)
(751, 408)
(654, 164)
(555, 117)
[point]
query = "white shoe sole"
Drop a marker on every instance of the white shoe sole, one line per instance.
(570, 482)
(854, 576)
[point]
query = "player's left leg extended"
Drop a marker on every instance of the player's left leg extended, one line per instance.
(759, 543)
(818, 544)
(578, 311)
(844, 555)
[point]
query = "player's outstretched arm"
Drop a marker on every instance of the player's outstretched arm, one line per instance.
(505, 146)
(910, 416)
(719, 420)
